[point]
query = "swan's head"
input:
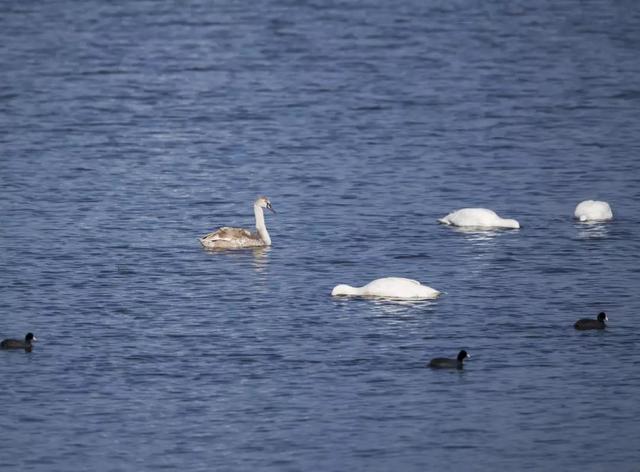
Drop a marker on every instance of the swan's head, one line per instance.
(263, 202)
(511, 223)
(602, 316)
(30, 337)
(343, 289)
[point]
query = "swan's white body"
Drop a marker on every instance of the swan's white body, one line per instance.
(388, 287)
(478, 218)
(237, 238)
(593, 210)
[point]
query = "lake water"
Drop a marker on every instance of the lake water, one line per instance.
(128, 129)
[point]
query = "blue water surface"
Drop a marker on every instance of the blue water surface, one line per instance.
(128, 129)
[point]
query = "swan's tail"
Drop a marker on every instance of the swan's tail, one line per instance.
(443, 221)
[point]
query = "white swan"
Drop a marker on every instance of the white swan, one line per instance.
(478, 218)
(593, 210)
(236, 238)
(388, 287)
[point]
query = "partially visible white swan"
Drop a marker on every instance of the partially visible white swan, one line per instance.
(478, 218)
(236, 238)
(388, 287)
(593, 210)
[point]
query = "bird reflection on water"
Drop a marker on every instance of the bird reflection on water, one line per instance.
(479, 235)
(261, 258)
(592, 230)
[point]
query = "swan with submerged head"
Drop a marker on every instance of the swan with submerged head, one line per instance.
(593, 210)
(237, 238)
(478, 218)
(388, 287)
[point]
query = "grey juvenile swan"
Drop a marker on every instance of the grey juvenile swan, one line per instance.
(236, 238)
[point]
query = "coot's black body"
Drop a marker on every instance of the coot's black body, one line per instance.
(445, 363)
(19, 344)
(586, 323)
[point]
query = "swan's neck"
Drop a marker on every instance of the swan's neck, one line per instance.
(344, 289)
(511, 223)
(260, 226)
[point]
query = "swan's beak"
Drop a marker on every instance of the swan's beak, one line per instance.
(270, 207)
(606, 318)
(468, 356)
(34, 339)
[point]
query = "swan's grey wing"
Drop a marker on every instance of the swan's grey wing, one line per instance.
(228, 234)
